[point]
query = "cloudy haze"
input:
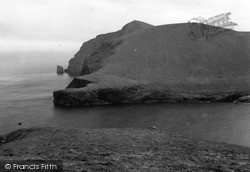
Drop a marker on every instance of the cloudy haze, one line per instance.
(31, 25)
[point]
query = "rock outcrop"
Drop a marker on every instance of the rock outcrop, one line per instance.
(145, 63)
(59, 70)
(244, 99)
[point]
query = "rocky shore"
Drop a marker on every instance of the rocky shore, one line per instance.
(142, 63)
(123, 150)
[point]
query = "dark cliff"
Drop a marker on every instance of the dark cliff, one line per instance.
(87, 59)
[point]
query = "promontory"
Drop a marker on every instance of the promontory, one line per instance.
(142, 63)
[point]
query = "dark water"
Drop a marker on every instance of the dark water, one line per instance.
(26, 97)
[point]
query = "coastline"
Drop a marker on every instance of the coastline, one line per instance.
(124, 149)
(141, 63)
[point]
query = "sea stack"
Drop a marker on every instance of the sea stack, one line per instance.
(142, 63)
(59, 70)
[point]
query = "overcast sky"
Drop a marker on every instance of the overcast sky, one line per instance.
(31, 25)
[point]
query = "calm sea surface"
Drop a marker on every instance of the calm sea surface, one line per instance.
(26, 97)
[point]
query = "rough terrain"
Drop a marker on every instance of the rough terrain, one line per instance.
(123, 150)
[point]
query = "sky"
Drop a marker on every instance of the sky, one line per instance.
(63, 25)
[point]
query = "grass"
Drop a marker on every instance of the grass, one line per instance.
(123, 150)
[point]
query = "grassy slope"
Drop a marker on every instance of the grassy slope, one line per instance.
(124, 150)
(166, 55)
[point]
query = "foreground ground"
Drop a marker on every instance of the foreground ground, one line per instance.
(123, 150)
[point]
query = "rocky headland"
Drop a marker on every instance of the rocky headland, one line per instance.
(122, 150)
(143, 63)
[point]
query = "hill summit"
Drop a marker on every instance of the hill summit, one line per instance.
(82, 62)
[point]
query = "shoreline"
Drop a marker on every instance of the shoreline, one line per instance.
(124, 149)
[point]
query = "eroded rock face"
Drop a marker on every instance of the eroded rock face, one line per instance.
(144, 63)
(78, 83)
(88, 58)
(244, 99)
(59, 70)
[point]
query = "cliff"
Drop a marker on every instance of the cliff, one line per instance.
(87, 59)
(145, 63)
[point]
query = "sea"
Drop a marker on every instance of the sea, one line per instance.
(27, 82)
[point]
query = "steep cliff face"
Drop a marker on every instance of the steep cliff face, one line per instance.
(145, 63)
(88, 58)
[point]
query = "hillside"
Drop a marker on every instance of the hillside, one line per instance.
(122, 150)
(82, 63)
(145, 63)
